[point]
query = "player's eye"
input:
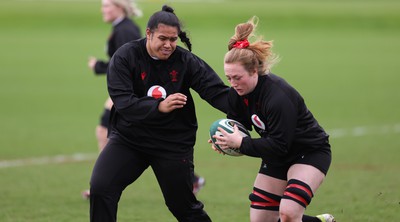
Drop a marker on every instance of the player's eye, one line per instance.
(164, 38)
(173, 39)
(237, 78)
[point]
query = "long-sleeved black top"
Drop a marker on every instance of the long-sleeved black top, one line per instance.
(126, 30)
(132, 74)
(280, 116)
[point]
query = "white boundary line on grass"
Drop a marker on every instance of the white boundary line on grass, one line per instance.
(77, 157)
(154, 1)
(364, 131)
(80, 157)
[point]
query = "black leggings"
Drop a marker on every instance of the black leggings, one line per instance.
(118, 165)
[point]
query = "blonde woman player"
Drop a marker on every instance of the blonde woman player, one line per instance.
(119, 14)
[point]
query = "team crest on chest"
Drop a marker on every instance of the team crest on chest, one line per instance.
(143, 75)
(246, 101)
(257, 122)
(157, 92)
(174, 76)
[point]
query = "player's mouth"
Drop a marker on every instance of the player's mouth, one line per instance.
(237, 89)
(166, 52)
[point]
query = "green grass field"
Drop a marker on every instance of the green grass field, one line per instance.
(341, 55)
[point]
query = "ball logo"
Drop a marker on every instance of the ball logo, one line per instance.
(228, 125)
(157, 92)
(257, 122)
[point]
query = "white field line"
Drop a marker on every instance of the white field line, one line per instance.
(141, 1)
(80, 157)
(77, 157)
(364, 131)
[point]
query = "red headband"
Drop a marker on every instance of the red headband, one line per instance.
(241, 44)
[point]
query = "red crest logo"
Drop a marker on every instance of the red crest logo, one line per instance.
(143, 75)
(174, 76)
(246, 101)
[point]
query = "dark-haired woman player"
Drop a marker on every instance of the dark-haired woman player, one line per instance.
(153, 120)
(119, 13)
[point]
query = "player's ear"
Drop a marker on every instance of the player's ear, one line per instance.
(254, 72)
(148, 33)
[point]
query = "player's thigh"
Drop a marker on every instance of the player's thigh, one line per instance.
(270, 184)
(308, 174)
(303, 181)
(117, 166)
(311, 168)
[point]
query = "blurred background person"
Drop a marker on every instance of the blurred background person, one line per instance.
(124, 29)
(119, 14)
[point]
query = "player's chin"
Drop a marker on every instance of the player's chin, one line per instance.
(165, 54)
(240, 92)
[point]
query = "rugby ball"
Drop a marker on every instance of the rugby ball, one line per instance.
(227, 125)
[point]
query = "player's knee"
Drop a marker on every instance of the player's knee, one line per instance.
(299, 192)
(264, 200)
(96, 186)
(99, 183)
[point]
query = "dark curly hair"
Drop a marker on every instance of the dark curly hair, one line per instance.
(167, 17)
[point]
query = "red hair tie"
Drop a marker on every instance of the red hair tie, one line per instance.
(241, 44)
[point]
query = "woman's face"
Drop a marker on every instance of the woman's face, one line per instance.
(161, 42)
(110, 11)
(243, 81)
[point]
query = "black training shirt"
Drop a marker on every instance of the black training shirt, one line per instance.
(137, 83)
(280, 116)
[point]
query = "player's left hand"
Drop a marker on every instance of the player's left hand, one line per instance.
(229, 140)
(92, 62)
(214, 148)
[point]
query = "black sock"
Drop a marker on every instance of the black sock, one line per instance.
(307, 218)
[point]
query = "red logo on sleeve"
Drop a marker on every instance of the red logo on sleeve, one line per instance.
(257, 122)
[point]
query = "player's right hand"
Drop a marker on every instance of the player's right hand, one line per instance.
(172, 102)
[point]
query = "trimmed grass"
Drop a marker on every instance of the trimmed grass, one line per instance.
(341, 56)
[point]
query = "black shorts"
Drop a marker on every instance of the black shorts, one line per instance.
(105, 118)
(320, 159)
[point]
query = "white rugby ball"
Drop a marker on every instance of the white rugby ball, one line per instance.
(227, 125)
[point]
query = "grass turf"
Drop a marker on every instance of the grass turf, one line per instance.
(341, 55)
